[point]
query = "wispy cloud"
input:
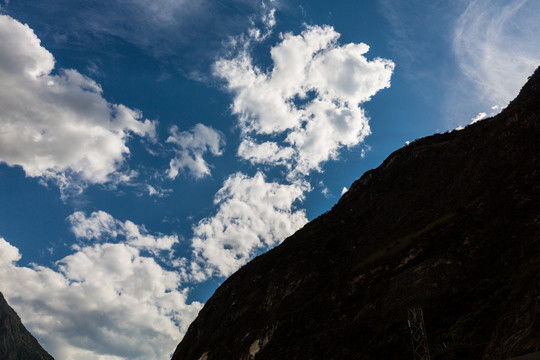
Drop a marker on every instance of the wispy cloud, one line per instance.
(418, 29)
(185, 35)
(497, 46)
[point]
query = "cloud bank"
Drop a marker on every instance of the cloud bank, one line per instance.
(58, 126)
(115, 296)
(108, 300)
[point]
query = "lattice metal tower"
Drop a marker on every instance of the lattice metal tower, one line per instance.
(418, 334)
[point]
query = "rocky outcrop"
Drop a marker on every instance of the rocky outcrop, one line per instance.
(16, 343)
(450, 222)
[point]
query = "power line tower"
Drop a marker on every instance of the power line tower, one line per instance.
(418, 334)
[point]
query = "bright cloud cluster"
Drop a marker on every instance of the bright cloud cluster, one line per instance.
(311, 97)
(113, 291)
(116, 289)
(100, 226)
(58, 127)
(190, 148)
(497, 45)
(105, 301)
(252, 214)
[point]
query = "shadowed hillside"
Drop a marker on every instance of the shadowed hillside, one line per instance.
(16, 343)
(450, 222)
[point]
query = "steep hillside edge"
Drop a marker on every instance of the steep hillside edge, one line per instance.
(16, 343)
(450, 222)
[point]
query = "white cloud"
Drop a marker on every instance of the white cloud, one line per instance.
(326, 192)
(252, 215)
(9, 253)
(267, 152)
(59, 127)
(157, 191)
(190, 148)
(311, 98)
(105, 301)
(103, 226)
(269, 16)
(497, 45)
(478, 117)
(344, 190)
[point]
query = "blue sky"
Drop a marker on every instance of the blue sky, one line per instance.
(148, 149)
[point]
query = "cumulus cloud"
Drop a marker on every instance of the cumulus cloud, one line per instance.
(497, 45)
(112, 298)
(299, 114)
(310, 98)
(268, 152)
(105, 301)
(252, 215)
(101, 226)
(190, 148)
(59, 127)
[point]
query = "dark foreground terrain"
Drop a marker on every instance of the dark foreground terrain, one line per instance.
(16, 343)
(450, 223)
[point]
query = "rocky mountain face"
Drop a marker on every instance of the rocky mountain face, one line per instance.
(450, 223)
(16, 343)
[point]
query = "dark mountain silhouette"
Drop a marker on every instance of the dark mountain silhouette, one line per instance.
(450, 223)
(16, 343)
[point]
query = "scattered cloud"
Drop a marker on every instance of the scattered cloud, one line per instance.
(267, 20)
(497, 46)
(115, 297)
(252, 215)
(105, 301)
(190, 148)
(299, 114)
(478, 117)
(268, 152)
(59, 127)
(326, 192)
(157, 191)
(310, 98)
(101, 226)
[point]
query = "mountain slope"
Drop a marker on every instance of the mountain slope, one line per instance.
(16, 343)
(450, 222)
